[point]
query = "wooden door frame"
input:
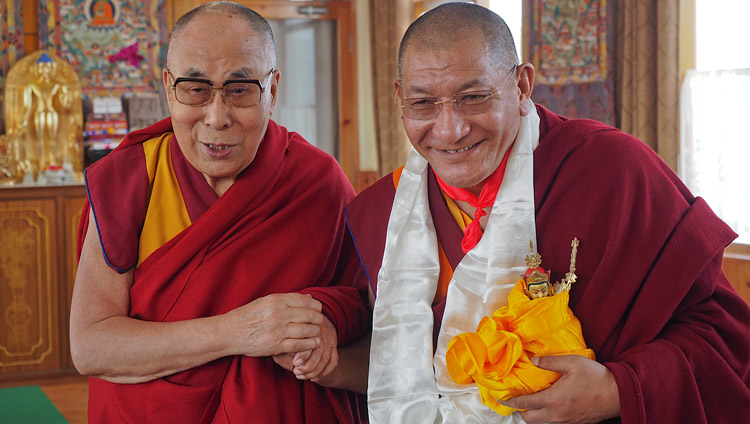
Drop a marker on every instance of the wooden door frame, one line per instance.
(341, 11)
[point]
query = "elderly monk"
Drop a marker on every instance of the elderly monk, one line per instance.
(443, 242)
(213, 241)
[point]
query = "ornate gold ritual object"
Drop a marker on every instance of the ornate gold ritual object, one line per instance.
(537, 280)
(570, 276)
(43, 115)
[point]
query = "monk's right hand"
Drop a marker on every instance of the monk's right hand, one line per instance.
(275, 324)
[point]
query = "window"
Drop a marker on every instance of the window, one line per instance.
(512, 12)
(715, 98)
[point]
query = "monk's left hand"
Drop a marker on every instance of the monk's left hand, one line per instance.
(585, 393)
(317, 363)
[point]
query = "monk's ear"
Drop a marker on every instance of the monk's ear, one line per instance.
(167, 86)
(525, 75)
(398, 92)
(274, 81)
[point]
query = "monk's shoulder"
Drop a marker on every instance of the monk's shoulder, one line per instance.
(376, 199)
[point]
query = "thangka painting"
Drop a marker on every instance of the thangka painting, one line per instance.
(569, 41)
(115, 46)
(11, 42)
(571, 46)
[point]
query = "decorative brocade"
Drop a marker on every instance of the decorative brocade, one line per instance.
(498, 355)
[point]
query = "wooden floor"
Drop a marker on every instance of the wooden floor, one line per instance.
(70, 395)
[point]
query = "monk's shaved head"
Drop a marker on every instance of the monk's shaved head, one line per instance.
(256, 22)
(454, 23)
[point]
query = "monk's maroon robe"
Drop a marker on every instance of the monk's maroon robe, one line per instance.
(650, 295)
(279, 228)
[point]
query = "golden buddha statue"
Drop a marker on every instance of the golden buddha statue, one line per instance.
(43, 115)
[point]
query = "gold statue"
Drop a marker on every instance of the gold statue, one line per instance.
(43, 115)
(536, 279)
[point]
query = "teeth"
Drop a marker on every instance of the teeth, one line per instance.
(215, 147)
(461, 150)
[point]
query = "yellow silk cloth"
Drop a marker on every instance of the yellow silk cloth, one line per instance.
(166, 215)
(498, 355)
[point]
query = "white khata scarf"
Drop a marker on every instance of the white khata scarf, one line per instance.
(407, 384)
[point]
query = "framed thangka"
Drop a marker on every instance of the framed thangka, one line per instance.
(571, 46)
(570, 43)
(115, 46)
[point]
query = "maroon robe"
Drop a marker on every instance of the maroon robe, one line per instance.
(650, 295)
(278, 229)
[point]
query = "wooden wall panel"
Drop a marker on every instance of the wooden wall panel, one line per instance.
(38, 227)
(29, 303)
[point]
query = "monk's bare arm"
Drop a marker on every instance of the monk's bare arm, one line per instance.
(107, 343)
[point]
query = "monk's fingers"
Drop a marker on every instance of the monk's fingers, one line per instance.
(531, 409)
(332, 363)
(284, 360)
(306, 370)
(289, 338)
(560, 363)
(301, 357)
(297, 345)
(325, 357)
(296, 330)
(536, 416)
(290, 314)
(531, 401)
(297, 300)
(326, 365)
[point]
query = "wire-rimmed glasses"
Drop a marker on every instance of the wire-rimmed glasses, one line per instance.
(236, 92)
(466, 103)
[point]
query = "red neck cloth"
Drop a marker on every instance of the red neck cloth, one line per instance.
(486, 198)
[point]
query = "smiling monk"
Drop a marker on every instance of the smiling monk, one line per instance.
(443, 242)
(212, 242)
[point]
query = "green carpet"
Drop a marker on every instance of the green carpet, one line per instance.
(27, 405)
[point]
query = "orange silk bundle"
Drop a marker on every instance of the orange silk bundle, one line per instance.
(498, 355)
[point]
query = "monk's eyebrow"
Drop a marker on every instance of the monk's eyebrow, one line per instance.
(194, 73)
(417, 90)
(243, 73)
(471, 84)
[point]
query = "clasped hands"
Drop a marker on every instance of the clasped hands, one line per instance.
(292, 329)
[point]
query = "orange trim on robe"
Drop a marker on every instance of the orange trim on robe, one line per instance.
(463, 220)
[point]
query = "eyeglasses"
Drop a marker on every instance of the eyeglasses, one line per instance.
(466, 103)
(198, 92)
